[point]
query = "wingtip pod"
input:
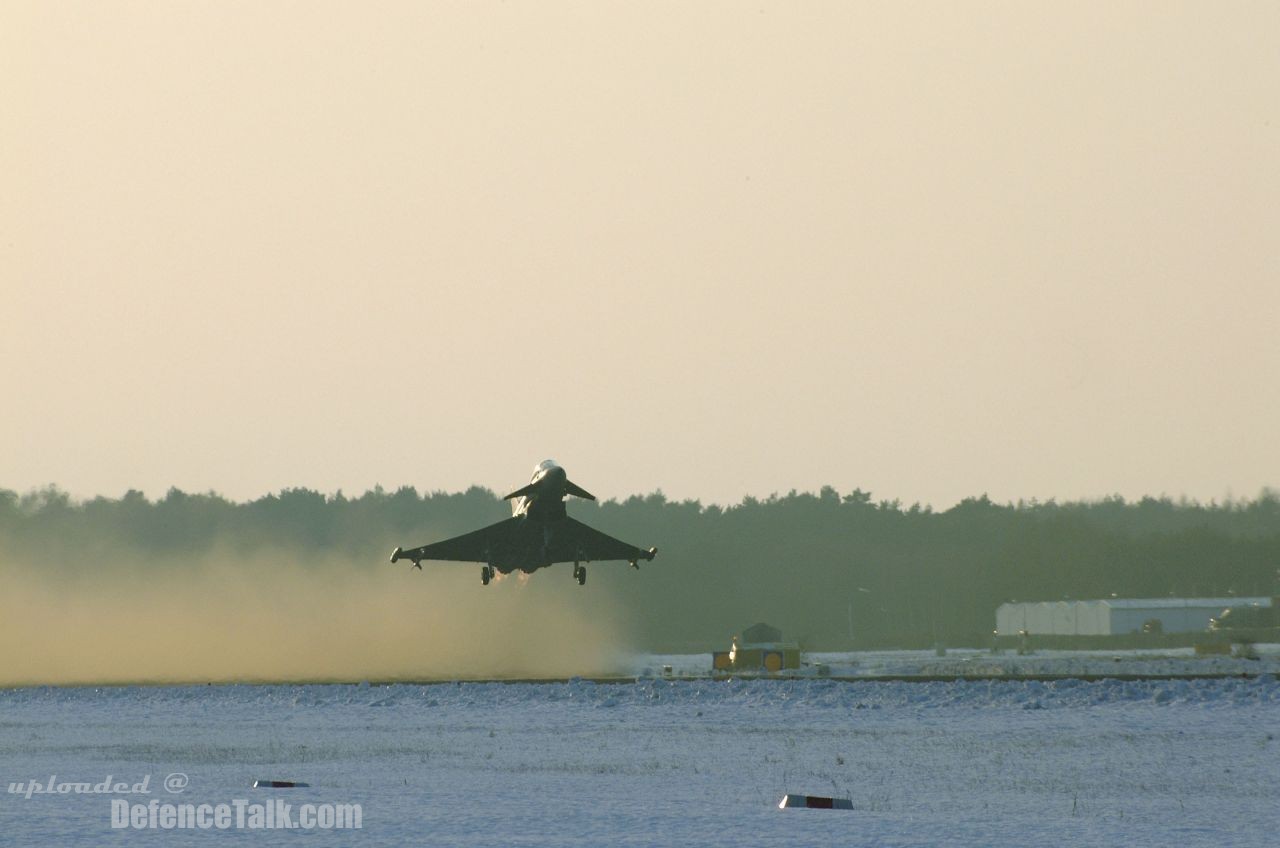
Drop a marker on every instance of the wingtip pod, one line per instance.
(651, 553)
(395, 555)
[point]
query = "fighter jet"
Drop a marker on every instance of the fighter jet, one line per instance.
(539, 533)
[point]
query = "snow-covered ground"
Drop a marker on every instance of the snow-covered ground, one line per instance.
(658, 762)
(968, 662)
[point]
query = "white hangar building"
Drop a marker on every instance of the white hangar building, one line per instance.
(1113, 616)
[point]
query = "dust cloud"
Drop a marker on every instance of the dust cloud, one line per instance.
(225, 618)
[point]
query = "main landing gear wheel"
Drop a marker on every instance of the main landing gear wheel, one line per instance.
(580, 574)
(486, 574)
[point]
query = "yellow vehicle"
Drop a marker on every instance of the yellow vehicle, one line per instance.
(759, 650)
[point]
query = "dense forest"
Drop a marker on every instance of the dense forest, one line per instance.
(831, 570)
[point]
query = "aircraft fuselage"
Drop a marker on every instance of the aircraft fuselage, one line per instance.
(545, 498)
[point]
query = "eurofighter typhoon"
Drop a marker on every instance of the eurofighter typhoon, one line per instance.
(539, 533)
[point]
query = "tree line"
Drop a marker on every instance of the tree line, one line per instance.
(832, 570)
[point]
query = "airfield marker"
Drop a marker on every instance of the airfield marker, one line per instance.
(814, 802)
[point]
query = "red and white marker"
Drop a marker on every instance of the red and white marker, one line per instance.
(814, 802)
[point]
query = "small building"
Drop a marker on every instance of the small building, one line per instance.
(1114, 616)
(760, 648)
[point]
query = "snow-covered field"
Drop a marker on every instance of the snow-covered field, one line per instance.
(658, 762)
(968, 662)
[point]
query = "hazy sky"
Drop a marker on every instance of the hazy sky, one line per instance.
(927, 249)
